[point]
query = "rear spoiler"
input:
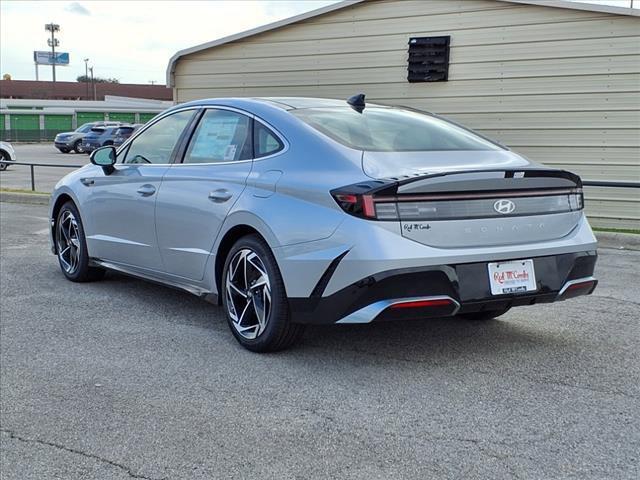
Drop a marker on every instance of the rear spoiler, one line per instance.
(545, 178)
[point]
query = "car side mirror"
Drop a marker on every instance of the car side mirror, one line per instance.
(104, 157)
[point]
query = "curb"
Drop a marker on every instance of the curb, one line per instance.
(617, 240)
(29, 198)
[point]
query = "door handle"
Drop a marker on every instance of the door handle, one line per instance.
(221, 195)
(87, 182)
(146, 190)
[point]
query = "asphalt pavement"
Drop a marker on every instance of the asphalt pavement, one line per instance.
(19, 176)
(124, 379)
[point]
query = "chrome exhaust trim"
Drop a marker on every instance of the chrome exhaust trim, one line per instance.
(572, 284)
(370, 312)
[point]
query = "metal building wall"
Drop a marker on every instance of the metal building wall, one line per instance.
(560, 86)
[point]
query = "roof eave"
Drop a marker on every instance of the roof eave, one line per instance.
(254, 31)
(573, 5)
(579, 5)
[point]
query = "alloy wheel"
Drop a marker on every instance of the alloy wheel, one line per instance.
(248, 293)
(68, 242)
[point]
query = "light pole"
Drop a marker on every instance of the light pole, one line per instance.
(93, 85)
(86, 75)
(53, 43)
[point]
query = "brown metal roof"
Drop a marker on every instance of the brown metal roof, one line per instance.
(29, 89)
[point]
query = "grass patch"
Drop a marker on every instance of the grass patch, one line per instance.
(618, 230)
(20, 190)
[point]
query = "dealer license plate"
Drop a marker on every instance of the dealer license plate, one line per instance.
(512, 277)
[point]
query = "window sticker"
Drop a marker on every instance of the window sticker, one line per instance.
(215, 136)
(230, 152)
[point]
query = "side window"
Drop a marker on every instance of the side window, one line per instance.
(221, 136)
(265, 141)
(156, 144)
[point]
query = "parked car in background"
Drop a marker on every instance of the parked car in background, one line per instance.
(294, 211)
(7, 153)
(124, 132)
(99, 137)
(72, 141)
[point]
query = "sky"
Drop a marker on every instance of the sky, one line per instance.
(133, 40)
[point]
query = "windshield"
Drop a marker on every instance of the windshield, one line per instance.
(84, 128)
(385, 129)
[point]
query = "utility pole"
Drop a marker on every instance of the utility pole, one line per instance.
(152, 82)
(86, 75)
(93, 85)
(53, 43)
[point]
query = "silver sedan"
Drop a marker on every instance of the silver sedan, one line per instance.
(295, 211)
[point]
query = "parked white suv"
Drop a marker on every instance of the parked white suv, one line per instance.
(7, 153)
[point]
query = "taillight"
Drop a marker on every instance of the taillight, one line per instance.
(355, 204)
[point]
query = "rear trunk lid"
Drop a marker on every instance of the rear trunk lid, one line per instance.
(453, 200)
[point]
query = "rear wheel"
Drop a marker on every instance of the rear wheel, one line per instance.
(77, 147)
(64, 150)
(254, 298)
(484, 315)
(71, 246)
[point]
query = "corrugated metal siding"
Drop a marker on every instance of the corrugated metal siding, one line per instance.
(560, 86)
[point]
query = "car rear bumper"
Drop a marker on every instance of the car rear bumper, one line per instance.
(444, 290)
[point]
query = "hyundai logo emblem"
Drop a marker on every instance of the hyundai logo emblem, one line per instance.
(504, 207)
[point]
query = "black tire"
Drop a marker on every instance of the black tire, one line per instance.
(4, 156)
(64, 150)
(484, 315)
(82, 271)
(279, 332)
(77, 147)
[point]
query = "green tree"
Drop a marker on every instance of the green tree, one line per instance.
(87, 79)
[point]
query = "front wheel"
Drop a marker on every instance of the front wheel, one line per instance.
(77, 147)
(71, 246)
(254, 298)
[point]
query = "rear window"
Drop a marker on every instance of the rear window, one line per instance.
(265, 142)
(384, 129)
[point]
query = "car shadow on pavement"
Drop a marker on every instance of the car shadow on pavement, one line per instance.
(427, 340)
(433, 340)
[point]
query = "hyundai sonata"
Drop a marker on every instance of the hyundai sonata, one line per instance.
(296, 211)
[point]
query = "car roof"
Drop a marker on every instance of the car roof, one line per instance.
(289, 103)
(283, 103)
